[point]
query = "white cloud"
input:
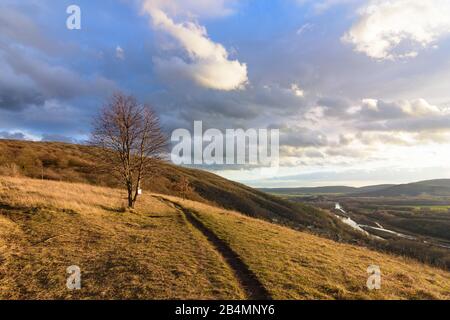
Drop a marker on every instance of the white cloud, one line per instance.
(389, 29)
(120, 53)
(402, 108)
(371, 104)
(421, 107)
(208, 63)
(304, 28)
(297, 90)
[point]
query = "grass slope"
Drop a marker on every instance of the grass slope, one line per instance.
(155, 253)
(298, 265)
(76, 163)
(312, 190)
(152, 253)
(438, 188)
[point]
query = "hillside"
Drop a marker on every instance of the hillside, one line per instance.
(327, 190)
(312, 190)
(373, 188)
(437, 188)
(174, 248)
(77, 163)
(152, 253)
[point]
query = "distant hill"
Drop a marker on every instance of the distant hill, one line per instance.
(313, 190)
(372, 188)
(439, 187)
(76, 163)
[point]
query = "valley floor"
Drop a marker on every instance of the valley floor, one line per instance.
(169, 248)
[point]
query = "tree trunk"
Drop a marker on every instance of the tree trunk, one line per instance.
(130, 201)
(130, 196)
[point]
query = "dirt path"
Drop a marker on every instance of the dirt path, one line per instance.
(249, 282)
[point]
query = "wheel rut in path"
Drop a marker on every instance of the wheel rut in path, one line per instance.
(247, 279)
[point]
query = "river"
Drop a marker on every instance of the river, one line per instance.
(362, 227)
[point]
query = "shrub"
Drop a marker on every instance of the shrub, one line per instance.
(11, 170)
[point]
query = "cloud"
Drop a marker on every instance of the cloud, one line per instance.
(296, 136)
(256, 107)
(54, 80)
(297, 90)
(304, 28)
(12, 135)
(412, 125)
(18, 135)
(33, 66)
(373, 109)
(120, 53)
(28, 80)
(385, 118)
(16, 94)
(207, 62)
(390, 29)
(337, 107)
(57, 138)
(370, 110)
(16, 26)
(383, 138)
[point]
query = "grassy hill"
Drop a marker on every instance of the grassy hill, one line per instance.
(151, 253)
(327, 190)
(437, 188)
(76, 163)
(174, 248)
(313, 190)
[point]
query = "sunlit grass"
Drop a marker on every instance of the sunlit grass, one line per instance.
(297, 265)
(150, 253)
(153, 253)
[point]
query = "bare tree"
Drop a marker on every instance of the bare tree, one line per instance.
(184, 187)
(131, 141)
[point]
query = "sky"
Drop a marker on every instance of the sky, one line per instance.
(359, 89)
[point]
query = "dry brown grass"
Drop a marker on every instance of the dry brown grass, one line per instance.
(297, 265)
(150, 253)
(78, 163)
(153, 253)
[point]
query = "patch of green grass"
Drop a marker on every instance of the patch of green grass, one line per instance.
(433, 208)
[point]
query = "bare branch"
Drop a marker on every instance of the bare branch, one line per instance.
(131, 140)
